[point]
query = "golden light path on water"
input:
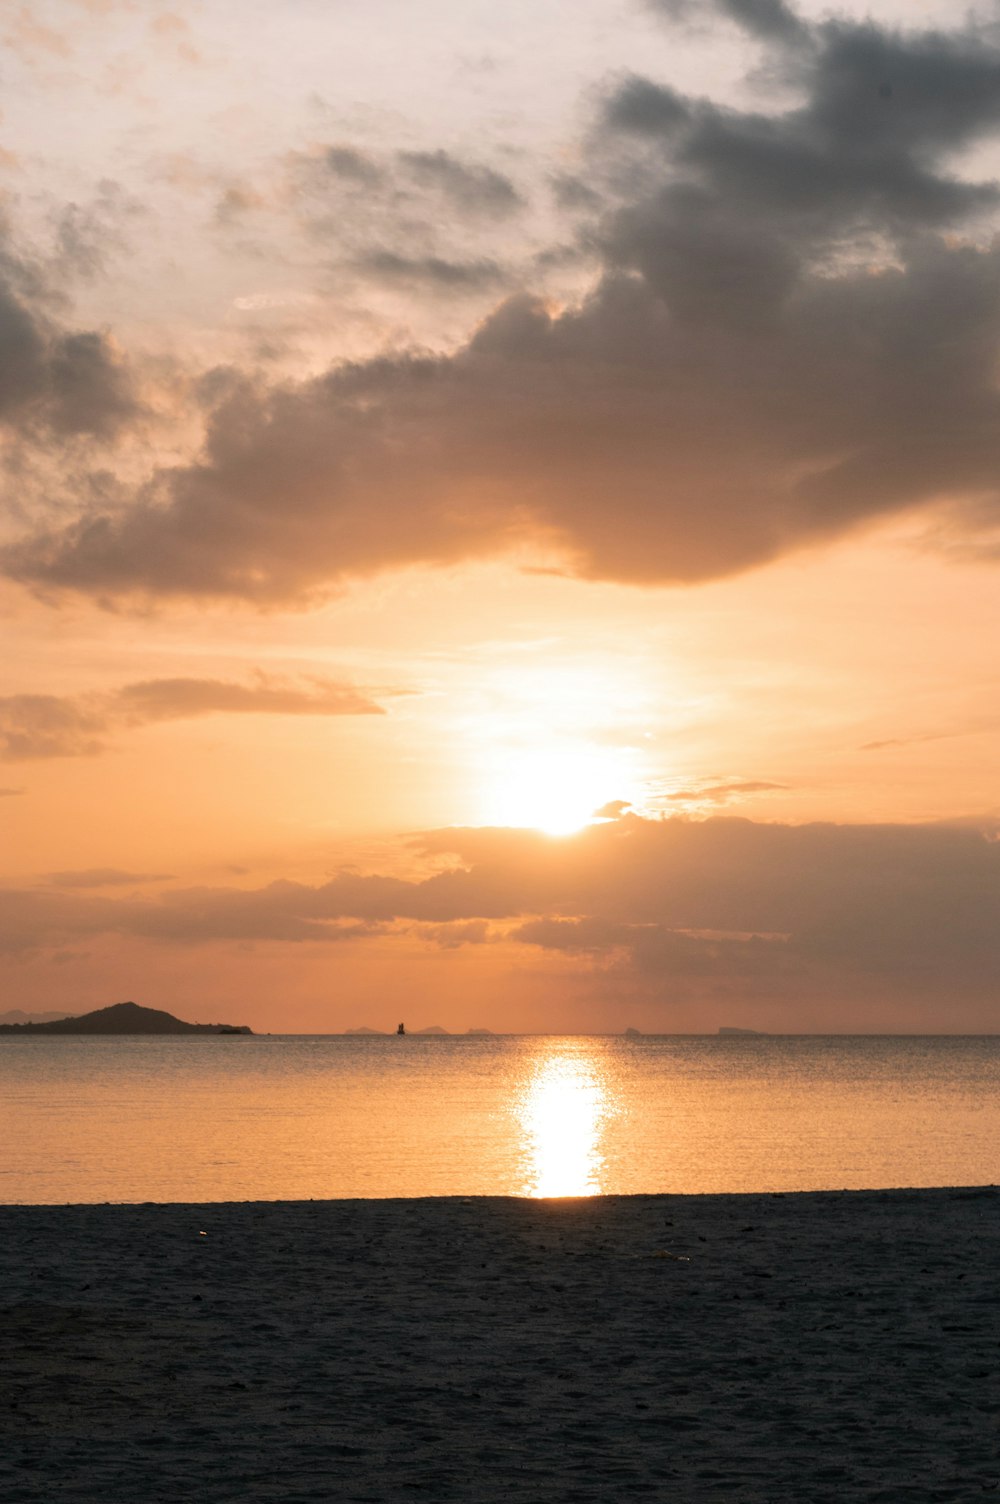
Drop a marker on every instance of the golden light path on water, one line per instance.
(562, 1113)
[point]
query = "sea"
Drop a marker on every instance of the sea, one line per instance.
(293, 1117)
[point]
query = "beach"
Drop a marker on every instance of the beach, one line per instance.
(802, 1347)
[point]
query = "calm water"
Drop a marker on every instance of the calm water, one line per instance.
(289, 1117)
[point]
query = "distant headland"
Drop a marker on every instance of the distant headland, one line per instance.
(124, 1018)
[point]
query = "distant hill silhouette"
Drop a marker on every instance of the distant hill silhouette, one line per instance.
(18, 1016)
(124, 1018)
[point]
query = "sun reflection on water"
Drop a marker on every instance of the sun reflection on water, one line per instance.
(562, 1114)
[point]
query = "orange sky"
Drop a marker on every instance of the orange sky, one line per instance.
(419, 437)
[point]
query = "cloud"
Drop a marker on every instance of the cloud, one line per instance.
(353, 166)
(104, 877)
(236, 201)
(179, 699)
(722, 793)
(43, 726)
(429, 272)
(452, 936)
(613, 810)
(792, 336)
(893, 912)
(470, 187)
(55, 381)
(10, 793)
(88, 236)
(772, 20)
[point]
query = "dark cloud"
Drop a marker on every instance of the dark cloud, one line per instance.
(647, 108)
(354, 166)
(427, 222)
(405, 179)
(794, 335)
(470, 187)
(54, 381)
(43, 726)
(901, 912)
(429, 272)
(10, 793)
(772, 20)
(571, 192)
(89, 236)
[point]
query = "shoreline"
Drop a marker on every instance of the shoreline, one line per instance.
(753, 1347)
(472, 1197)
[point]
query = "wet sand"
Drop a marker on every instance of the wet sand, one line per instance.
(805, 1347)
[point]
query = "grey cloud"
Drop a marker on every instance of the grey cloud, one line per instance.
(429, 272)
(91, 390)
(654, 949)
(423, 220)
(571, 192)
(646, 108)
(792, 337)
(900, 911)
(89, 235)
(354, 166)
(403, 177)
(44, 726)
(772, 20)
(469, 186)
(68, 382)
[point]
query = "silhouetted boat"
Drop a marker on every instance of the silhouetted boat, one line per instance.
(401, 1030)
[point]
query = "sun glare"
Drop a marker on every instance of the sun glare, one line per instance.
(562, 1116)
(558, 789)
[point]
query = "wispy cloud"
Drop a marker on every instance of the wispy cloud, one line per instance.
(44, 726)
(104, 877)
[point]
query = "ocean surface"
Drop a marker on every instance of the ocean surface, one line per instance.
(292, 1117)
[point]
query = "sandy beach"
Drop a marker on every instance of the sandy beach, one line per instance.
(807, 1347)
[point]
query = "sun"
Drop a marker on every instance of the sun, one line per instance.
(557, 789)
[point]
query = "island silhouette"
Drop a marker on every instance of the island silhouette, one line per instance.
(124, 1018)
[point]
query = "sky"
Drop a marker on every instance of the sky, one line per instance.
(500, 513)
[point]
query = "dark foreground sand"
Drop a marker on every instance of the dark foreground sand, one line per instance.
(718, 1348)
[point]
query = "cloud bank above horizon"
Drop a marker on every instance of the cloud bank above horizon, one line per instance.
(789, 917)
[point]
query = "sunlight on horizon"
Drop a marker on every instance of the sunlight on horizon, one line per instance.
(562, 1115)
